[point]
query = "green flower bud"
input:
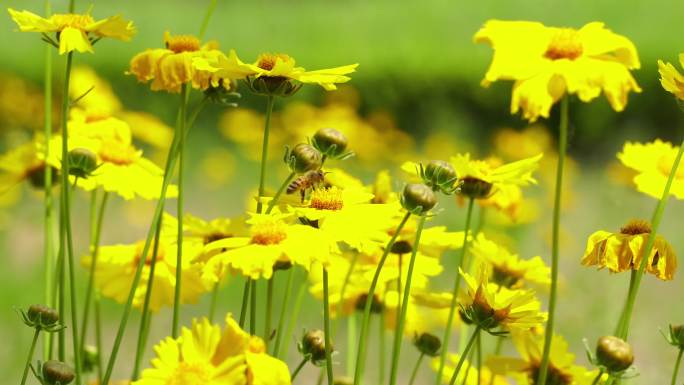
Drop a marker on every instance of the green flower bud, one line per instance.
(303, 157)
(82, 162)
(42, 315)
(427, 344)
(57, 372)
(475, 188)
(677, 335)
(313, 345)
(89, 358)
(418, 198)
(376, 305)
(440, 175)
(401, 247)
(330, 142)
(272, 86)
(614, 353)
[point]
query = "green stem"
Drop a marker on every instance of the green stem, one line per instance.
(269, 310)
(185, 92)
(676, 368)
(72, 6)
(415, 369)
(497, 350)
(207, 17)
(245, 301)
(47, 179)
(399, 328)
(363, 337)
(598, 378)
(98, 335)
(562, 149)
(283, 311)
(293, 320)
(343, 290)
(252, 308)
(462, 359)
(270, 100)
(282, 189)
(96, 219)
(145, 311)
(478, 351)
(30, 356)
(454, 294)
(351, 341)
(621, 321)
(214, 300)
(469, 366)
(61, 308)
(298, 369)
(326, 327)
(382, 349)
(646, 251)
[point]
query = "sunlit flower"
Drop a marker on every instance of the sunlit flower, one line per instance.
(170, 67)
(515, 173)
(547, 62)
(470, 370)
(525, 370)
(511, 144)
(206, 355)
(671, 79)
(271, 240)
(21, 104)
(425, 267)
(427, 311)
(653, 161)
(622, 251)
(274, 66)
(116, 266)
(75, 32)
(508, 269)
(24, 162)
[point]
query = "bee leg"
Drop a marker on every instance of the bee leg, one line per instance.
(302, 193)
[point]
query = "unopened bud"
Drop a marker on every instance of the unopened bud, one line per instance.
(82, 162)
(43, 315)
(313, 345)
(418, 198)
(614, 353)
(57, 372)
(330, 142)
(440, 175)
(428, 344)
(304, 157)
(475, 188)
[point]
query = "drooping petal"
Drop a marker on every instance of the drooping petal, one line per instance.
(535, 96)
(30, 22)
(600, 41)
(115, 27)
(73, 39)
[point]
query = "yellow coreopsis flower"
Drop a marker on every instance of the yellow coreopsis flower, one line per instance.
(548, 62)
(490, 306)
(468, 370)
(671, 80)
(75, 32)
(116, 265)
(622, 251)
(171, 67)
(274, 66)
(515, 173)
(427, 311)
(23, 163)
(425, 267)
(272, 241)
(525, 370)
(653, 162)
(206, 355)
(508, 269)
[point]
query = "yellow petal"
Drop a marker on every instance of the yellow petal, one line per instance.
(30, 22)
(71, 39)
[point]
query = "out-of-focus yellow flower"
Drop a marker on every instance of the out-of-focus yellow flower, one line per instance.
(171, 67)
(205, 355)
(515, 173)
(653, 162)
(75, 32)
(121, 167)
(424, 269)
(21, 104)
(468, 370)
(513, 144)
(525, 370)
(434, 240)
(622, 251)
(509, 270)
(491, 306)
(272, 240)
(274, 66)
(218, 167)
(547, 62)
(427, 311)
(671, 80)
(24, 162)
(116, 265)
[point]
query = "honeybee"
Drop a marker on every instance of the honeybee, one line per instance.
(309, 180)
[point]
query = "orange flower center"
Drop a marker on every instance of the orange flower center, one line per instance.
(269, 232)
(72, 20)
(636, 227)
(116, 152)
(327, 199)
(268, 60)
(565, 44)
(182, 43)
(665, 164)
(191, 374)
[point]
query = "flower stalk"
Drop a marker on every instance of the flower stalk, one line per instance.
(678, 361)
(36, 333)
(326, 326)
(462, 359)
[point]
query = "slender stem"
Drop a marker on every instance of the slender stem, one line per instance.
(61, 309)
(207, 17)
(646, 251)
(185, 91)
(252, 308)
(363, 337)
(399, 328)
(598, 378)
(454, 294)
(47, 182)
(351, 341)
(621, 321)
(469, 366)
(326, 327)
(676, 368)
(96, 219)
(343, 290)
(245, 301)
(562, 149)
(270, 99)
(145, 311)
(415, 369)
(214, 299)
(269, 310)
(283, 311)
(282, 189)
(284, 349)
(382, 349)
(461, 360)
(497, 350)
(478, 349)
(30, 356)
(98, 335)
(299, 368)
(72, 6)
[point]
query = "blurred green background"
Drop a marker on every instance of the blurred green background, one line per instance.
(418, 64)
